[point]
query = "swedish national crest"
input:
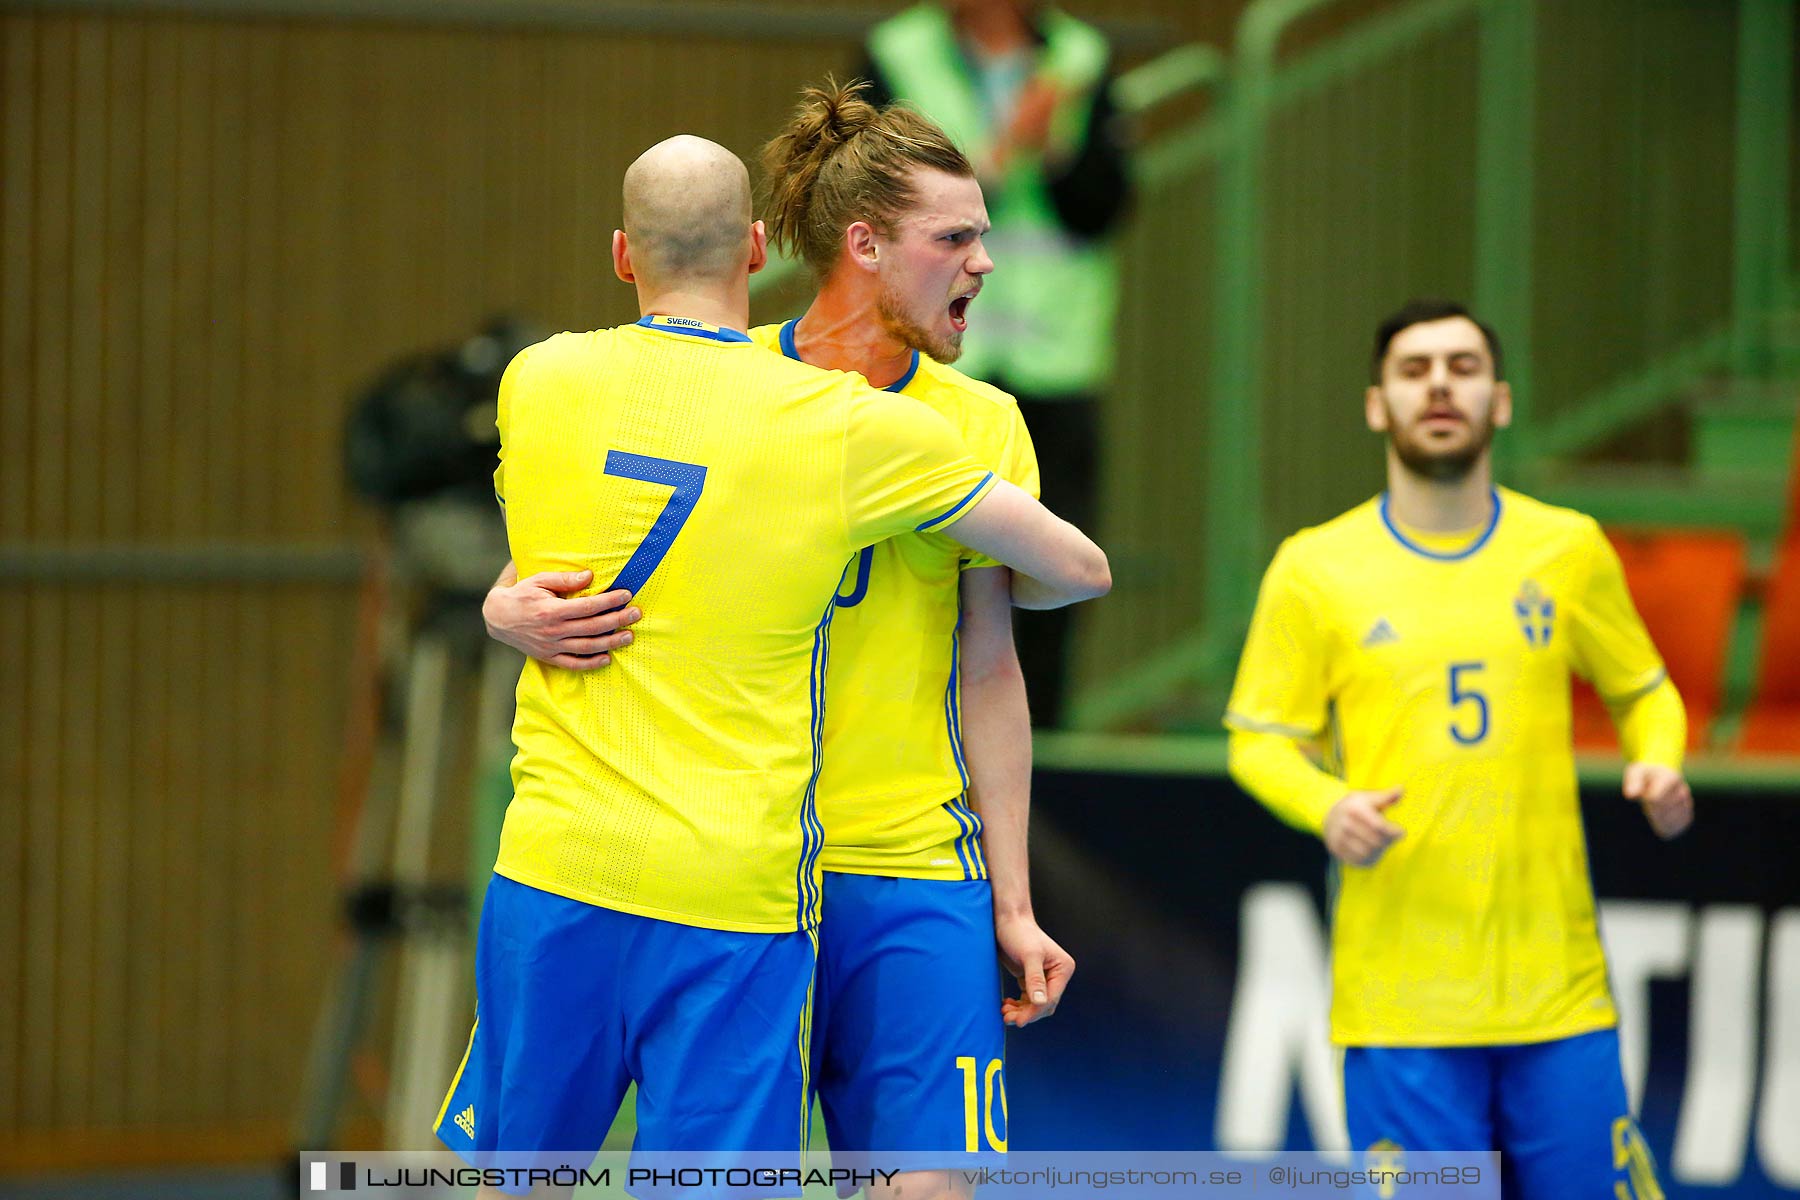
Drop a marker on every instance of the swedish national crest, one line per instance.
(1536, 613)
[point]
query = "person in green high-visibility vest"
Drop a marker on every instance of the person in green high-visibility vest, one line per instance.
(1026, 91)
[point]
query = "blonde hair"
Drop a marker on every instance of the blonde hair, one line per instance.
(842, 160)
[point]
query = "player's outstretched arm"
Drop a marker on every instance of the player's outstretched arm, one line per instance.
(1053, 562)
(996, 725)
(539, 617)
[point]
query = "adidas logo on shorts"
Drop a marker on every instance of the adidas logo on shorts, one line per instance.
(465, 1120)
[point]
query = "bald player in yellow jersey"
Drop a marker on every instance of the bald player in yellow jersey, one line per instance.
(924, 793)
(1423, 642)
(654, 910)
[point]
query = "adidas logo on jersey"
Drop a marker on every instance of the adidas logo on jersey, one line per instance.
(465, 1120)
(1380, 634)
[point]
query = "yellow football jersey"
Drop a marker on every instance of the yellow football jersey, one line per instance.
(728, 488)
(1446, 673)
(891, 794)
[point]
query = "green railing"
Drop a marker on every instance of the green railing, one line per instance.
(1605, 181)
(1760, 264)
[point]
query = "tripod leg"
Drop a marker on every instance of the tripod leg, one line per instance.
(363, 813)
(431, 955)
(490, 788)
(335, 1038)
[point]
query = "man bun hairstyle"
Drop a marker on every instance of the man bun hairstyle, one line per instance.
(841, 160)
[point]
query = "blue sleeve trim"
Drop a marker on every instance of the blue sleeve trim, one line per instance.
(1246, 725)
(960, 504)
(1656, 681)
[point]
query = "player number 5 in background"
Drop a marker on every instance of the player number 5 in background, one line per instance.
(978, 1104)
(1467, 726)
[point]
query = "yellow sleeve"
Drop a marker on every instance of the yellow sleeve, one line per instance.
(502, 414)
(1653, 726)
(1611, 647)
(1281, 680)
(1017, 464)
(904, 469)
(1272, 768)
(1279, 699)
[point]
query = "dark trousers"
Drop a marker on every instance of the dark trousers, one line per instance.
(1065, 432)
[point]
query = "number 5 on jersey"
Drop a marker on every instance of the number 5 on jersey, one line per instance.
(1467, 726)
(688, 481)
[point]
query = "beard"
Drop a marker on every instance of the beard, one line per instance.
(1440, 465)
(890, 307)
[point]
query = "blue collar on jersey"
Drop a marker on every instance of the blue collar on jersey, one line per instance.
(1493, 521)
(692, 328)
(788, 348)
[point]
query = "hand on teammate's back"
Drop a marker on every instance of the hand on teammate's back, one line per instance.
(1039, 966)
(1668, 804)
(538, 618)
(1356, 829)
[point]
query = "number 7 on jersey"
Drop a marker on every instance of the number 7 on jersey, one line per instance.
(687, 479)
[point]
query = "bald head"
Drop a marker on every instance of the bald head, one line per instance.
(687, 212)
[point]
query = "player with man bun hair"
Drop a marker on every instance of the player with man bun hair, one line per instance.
(843, 163)
(925, 788)
(653, 914)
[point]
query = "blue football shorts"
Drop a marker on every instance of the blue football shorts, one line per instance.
(908, 1040)
(1555, 1110)
(573, 1002)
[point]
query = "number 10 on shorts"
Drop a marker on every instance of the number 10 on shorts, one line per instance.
(979, 1090)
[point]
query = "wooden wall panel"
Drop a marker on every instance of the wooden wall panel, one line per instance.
(13, 744)
(18, 119)
(213, 232)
